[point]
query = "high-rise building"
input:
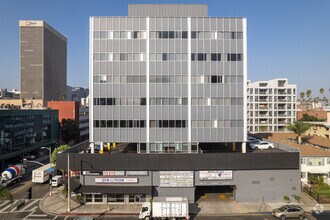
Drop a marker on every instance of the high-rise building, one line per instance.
(271, 105)
(43, 60)
(174, 84)
(168, 112)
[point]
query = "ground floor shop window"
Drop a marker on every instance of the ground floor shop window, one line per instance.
(131, 198)
(119, 198)
(140, 198)
(89, 197)
(98, 198)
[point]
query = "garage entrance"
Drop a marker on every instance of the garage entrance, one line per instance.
(215, 193)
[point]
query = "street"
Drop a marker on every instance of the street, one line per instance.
(31, 208)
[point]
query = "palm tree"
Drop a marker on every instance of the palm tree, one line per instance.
(299, 127)
(308, 93)
(321, 91)
(302, 96)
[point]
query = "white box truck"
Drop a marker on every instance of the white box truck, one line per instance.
(165, 208)
(57, 180)
(42, 174)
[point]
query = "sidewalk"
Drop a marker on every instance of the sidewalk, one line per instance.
(57, 205)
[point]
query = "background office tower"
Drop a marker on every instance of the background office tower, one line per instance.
(43, 54)
(176, 84)
(271, 105)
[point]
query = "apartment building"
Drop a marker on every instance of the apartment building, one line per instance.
(271, 105)
(43, 53)
(169, 82)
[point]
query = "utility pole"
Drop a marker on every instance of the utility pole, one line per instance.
(50, 168)
(69, 193)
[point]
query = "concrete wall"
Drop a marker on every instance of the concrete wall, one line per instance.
(251, 186)
(270, 185)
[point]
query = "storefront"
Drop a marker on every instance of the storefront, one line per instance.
(95, 198)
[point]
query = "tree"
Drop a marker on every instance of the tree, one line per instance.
(302, 95)
(56, 151)
(308, 93)
(5, 194)
(69, 130)
(321, 91)
(299, 128)
(307, 117)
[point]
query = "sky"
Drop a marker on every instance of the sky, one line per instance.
(286, 38)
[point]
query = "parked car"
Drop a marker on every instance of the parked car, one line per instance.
(252, 143)
(289, 211)
(250, 138)
(262, 145)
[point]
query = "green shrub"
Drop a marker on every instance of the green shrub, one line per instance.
(286, 198)
(296, 198)
(81, 199)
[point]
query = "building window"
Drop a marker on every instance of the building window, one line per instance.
(98, 198)
(89, 197)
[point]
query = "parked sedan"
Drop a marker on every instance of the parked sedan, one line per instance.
(262, 145)
(252, 143)
(289, 211)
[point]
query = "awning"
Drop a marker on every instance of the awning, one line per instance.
(116, 189)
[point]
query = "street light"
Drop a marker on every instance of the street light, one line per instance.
(50, 167)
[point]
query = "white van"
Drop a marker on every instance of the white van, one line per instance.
(57, 180)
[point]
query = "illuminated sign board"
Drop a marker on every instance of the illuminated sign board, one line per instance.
(113, 173)
(136, 173)
(176, 178)
(116, 180)
(216, 175)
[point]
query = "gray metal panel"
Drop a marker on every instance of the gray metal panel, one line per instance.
(167, 10)
(248, 161)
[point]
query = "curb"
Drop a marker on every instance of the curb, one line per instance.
(41, 206)
(98, 214)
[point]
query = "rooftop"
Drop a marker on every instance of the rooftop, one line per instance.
(307, 150)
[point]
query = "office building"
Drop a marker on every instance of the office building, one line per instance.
(43, 61)
(271, 105)
(76, 93)
(73, 110)
(170, 83)
(25, 131)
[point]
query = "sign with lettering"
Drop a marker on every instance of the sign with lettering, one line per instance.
(116, 180)
(136, 173)
(216, 175)
(113, 173)
(176, 178)
(88, 173)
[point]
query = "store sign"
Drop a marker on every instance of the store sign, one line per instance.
(113, 173)
(116, 180)
(216, 175)
(88, 173)
(136, 173)
(176, 178)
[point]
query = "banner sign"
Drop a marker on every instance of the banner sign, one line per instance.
(113, 173)
(176, 178)
(88, 173)
(116, 180)
(136, 173)
(216, 175)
